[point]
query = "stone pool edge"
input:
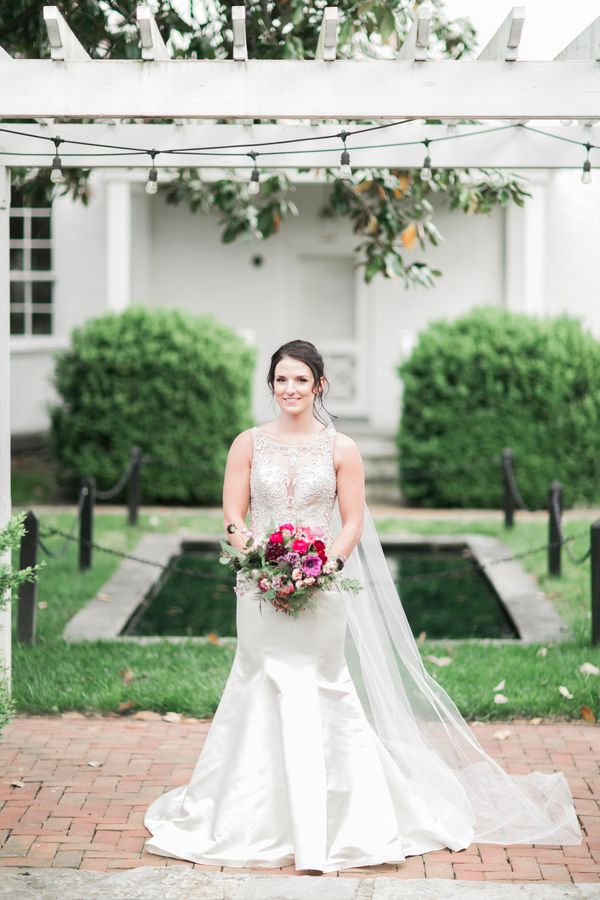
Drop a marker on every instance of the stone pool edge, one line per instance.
(104, 616)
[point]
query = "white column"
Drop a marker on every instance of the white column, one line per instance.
(5, 500)
(525, 255)
(118, 245)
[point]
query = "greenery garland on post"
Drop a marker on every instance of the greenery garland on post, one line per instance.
(389, 209)
(10, 580)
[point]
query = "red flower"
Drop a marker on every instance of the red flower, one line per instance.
(276, 538)
(322, 556)
(319, 545)
(288, 527)
(299, 546)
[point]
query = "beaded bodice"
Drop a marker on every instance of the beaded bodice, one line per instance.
(295, 484)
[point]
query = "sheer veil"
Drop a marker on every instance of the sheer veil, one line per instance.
(423, 730)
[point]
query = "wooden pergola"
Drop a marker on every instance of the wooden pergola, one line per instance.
(497, 88)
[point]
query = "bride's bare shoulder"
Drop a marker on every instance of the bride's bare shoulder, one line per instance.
(345, 445)
(242, 444)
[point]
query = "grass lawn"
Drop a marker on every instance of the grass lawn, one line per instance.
(54, 676)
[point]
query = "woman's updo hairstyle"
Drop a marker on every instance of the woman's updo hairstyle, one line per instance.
(307, 353)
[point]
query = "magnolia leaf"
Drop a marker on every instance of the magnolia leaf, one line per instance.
(124, 705)
(94, 763)
(587, 715)
(565, 692)
(16, 783)
(500, 698)
(172, 717)
(212, 638)
(127, 675)
(536, 720)
(422, 637)
(589, 669)
(439, 660)
(502, 734)
(543, 651)
(500, 686)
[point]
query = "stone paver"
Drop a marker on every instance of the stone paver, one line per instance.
(74, 789)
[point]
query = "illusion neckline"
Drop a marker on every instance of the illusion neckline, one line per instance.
(283, 444)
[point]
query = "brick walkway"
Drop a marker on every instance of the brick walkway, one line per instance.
(88, 780)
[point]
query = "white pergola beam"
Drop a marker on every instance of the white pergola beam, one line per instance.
(5, 496)
(63, 43)
(297, 89)
(511, 148)
(327, 43)
(152, 45)
(238, 21)
(504, 45)
(4, 54)
(585, 46)
(414, 47)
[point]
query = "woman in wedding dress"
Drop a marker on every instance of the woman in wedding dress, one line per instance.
(332, 747)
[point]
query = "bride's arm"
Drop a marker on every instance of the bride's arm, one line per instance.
(236, 487)
(351, 495)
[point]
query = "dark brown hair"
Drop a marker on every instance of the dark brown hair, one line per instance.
(307, 353)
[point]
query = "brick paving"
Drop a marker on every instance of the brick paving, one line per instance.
(86, 782)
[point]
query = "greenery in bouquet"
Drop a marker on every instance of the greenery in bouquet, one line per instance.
(289, 566)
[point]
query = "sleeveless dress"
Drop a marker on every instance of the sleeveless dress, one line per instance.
(291, 771)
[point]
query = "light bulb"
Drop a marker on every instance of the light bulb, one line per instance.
(152, 183)
(56, 173)
(426, 170)
(254, 185)
(345, 169)
(586, 175)
(566, 122)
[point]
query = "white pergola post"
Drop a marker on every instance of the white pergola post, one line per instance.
(5, 501)
(118, 245)
(525, 258)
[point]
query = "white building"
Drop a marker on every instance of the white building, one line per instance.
(127, 247)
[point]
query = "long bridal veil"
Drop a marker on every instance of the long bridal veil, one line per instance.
(424, 731)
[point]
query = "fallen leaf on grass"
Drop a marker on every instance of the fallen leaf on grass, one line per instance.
(502, 734)
(94, 763)
(422, 637)
(172, 717)
(535, 721)
(500, 698)
(104, 597)
(127, 675)
(124, 705)
(42, 605)
(565, 692)
(212, 638)
(438, 660)
(587, 714)
(542, 651)
(589, 669)
(500, 686)
(17, 783)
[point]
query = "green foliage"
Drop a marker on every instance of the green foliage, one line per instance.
(389, 221)
(10, 577)
(176, 385)
(495, 379)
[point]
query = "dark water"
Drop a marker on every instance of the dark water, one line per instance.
(447, 606)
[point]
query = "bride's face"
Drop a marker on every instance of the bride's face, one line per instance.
(293, 386)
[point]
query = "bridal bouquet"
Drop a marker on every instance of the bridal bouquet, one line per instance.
(289, 566)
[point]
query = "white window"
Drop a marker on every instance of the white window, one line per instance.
(31, 272)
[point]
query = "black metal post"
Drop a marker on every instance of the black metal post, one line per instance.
(555, 506)
(134, 486)
(595, 567)
(509, 500)
(26, 609)
(86, 523)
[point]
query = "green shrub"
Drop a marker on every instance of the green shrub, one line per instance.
(495, 379)
(174, 384)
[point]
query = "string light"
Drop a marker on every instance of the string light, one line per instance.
(152, 182)
(254, 185)
(586, 174)
(426, 173)
(56, 172)
(345, 170)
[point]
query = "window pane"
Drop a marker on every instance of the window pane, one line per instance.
(16, 228)
(40, 259)
(41, 292)
(17, 292)
(40, 228)
(17, 255)
(17, 323)
(41, 323)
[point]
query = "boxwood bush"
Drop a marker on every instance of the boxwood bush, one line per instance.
(493, 379)
(174, 384)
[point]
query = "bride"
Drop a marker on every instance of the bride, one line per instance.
(332, 747)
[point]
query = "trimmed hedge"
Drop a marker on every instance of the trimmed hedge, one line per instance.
(176, 385)
(495, 379)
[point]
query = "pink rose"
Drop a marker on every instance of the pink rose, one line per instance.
(276, 538)
(264, 584)
(289, 528)
(296, 574)
(286, 590)
(299, 546)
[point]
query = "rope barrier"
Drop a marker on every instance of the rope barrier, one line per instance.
(469, 569)
(120, 484)
(59, 554)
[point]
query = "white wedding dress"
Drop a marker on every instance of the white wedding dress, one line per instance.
(293, 770)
